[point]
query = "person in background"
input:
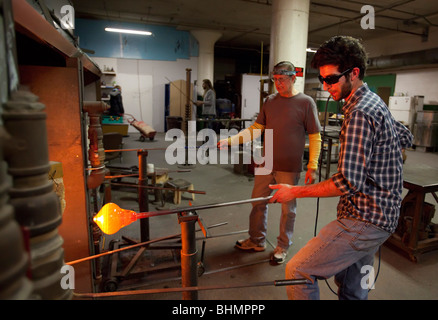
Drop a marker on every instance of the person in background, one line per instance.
(290, 114)
(209, 102)
(116, 103)
(369, 179)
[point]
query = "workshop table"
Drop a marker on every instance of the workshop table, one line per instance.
(419, 180)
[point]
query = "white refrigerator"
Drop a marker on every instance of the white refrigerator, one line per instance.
(404, 108)
(251, 96)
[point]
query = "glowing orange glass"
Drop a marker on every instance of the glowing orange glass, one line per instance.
(111, 218)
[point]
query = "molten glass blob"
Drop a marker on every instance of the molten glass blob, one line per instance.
(111, 218)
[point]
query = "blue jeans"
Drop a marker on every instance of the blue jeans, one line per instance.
(258, 218)
(340, 249)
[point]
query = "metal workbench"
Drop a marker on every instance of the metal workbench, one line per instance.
(419, 180)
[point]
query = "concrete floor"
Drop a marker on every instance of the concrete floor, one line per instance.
(399, 278)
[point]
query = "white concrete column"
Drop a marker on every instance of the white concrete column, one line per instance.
(289, 31)
(206, 40)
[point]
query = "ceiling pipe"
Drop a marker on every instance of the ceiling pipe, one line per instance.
(416, 58)
(399, 60)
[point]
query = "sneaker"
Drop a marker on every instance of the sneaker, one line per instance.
(247, 244)
(279, 255)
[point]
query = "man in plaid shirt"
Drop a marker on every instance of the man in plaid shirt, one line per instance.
(368, 180)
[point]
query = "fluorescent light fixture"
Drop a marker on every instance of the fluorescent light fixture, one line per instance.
(144, 33)
(310, 50)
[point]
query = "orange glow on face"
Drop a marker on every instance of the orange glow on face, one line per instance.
(111, 218)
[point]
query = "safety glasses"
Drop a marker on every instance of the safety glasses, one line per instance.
(333, 78)
(280, 80)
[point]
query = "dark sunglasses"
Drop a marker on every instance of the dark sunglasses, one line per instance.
(334, 78)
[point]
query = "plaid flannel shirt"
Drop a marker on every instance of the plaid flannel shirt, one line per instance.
(370, 167)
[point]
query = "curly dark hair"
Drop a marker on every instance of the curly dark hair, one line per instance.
(343, 51)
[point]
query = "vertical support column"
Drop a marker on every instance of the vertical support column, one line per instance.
(289, 31)
(188, 110)
(96, 152)
(189, 162)
(96, 156)
(143, 200)
(189, 274)
(206, 40)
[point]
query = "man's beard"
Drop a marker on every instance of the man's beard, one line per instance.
(346, 89)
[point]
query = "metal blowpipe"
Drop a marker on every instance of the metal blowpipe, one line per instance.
(111, 218)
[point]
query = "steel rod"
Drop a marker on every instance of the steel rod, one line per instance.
(276, 283)
(148, 149)
(189, 277)
(134, 185)
(200, 207)
(121, 249)
(177, 210)
(135, 246)
(143, 198)
(138, 149)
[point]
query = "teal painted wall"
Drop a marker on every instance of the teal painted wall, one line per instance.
(166, 43)
(385, 80)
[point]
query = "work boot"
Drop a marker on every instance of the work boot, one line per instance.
(279, 255)
(247, 244)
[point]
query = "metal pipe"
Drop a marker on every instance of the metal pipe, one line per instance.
(276, 283)
(143, 193)
(189, 274)
(188, 109)
(121, 249)
(135, 149)
(127, 184)
(416, 58)
(132, 247)
(201, 207)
